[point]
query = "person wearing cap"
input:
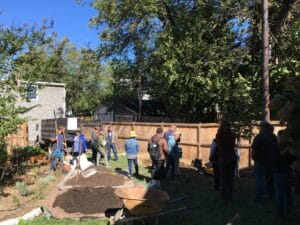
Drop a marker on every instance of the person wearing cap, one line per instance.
(263, 147)
(132, 149)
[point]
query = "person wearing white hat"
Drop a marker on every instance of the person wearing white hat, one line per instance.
(132, 149)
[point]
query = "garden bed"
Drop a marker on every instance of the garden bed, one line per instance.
(85, 202)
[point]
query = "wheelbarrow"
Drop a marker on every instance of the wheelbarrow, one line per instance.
(141, 203)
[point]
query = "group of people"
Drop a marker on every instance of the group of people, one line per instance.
(163, 150)
(272, 165)
(162, 147)
(101, 144)
(272, 162)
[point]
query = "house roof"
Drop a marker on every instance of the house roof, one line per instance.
(149, 107)
(53, 84)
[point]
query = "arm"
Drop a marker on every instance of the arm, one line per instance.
(125, 146)
(53, 138)
(212, 153)
(83, 143)
(255, 146)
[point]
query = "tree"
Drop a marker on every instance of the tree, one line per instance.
(184, 52)
(14, 43)
(80, 69)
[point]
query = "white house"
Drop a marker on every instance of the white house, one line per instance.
(44, 101)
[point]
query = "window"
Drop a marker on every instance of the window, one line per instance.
(32, 92)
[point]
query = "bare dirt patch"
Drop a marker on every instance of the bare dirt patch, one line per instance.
(88, 200)
(99, 179)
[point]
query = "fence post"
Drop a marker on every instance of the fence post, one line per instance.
(199, 149)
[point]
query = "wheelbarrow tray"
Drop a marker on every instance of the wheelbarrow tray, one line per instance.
(141, 201)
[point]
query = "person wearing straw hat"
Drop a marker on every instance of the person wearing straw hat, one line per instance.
(132, 149)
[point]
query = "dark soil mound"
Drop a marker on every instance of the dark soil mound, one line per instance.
(88, 200)
(97, 180)
(101, 169)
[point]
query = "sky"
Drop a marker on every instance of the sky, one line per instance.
(70, 18)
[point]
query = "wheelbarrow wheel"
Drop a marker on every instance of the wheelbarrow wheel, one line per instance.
(118, 215)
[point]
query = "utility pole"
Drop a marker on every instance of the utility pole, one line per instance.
(265, 60)
(140, 97)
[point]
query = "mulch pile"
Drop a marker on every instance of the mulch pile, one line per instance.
(97, 180)
(88, 200)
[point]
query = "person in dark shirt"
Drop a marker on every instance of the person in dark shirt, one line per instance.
(282, 172)
(158, 165)
(264, 143)
(225, 140)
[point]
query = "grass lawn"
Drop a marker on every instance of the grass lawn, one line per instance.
(210, 210)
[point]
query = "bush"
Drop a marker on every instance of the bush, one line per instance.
(42, 186)
(21, 154)
(22, 189)
(3, 155)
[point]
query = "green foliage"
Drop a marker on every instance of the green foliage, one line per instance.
(42, 186)
(186, 54)
(22, 153)
(22, 189)
(287, 106)
(16, 201)
(45, 221)
(197, 55)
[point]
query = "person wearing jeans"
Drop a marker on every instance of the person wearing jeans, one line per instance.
(79, 146)
(282, 173)
(111, 140)
(158, 165)
(225, 140)
(173, 140)
(132, 149)
(263, 147)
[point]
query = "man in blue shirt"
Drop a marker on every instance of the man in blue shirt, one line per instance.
(132, 149)
(169, 132)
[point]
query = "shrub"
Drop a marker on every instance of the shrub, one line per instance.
(21, 154)
(22, 189)
(42, 186)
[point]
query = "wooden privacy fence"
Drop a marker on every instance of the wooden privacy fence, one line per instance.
(18, 139)
(195, 139)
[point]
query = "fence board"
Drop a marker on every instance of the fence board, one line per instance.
(18, 139)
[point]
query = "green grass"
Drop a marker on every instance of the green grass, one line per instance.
(209, 209)
(45, 221)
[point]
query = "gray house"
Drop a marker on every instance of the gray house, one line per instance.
(44, 101)
(152, 111)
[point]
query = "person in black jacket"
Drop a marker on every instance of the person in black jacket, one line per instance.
(282, 172)
(263, 146)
